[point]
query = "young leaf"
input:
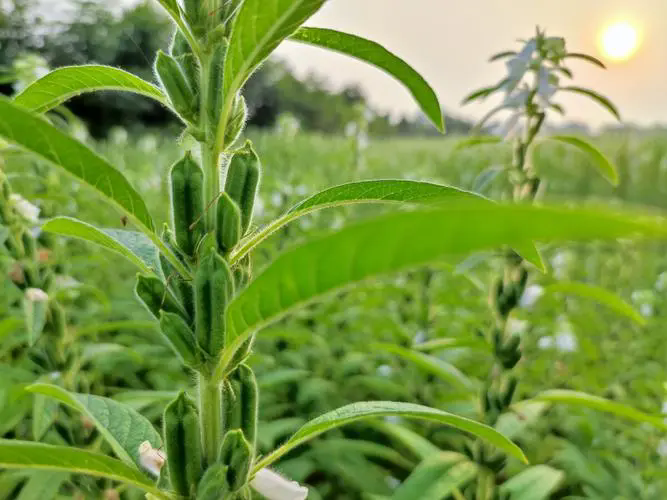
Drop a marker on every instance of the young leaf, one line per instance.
(535, 483)
(16, 454)
(64, 83)
(598, 294)
(365, 448)
(399, 241)
(606, 168)
(375, 54)
(132, 245)
(585, 57)
(483, 93)
(258, 29)
(600, 99)
(122, 427)
(480, 140)
(374, 191)
(435, 478)
(430, 364)
(601, 404)
(502, 55)
(35, 135)
(371, 409)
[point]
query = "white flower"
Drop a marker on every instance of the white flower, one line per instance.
(516, 326)
(646, 310)
(275, 487)
(661, 282)
(566, 342)
(26, 209)
(545, 342)
(530, 296)
(36, 295)
(384, 370)
(664, 407)
(150, 458)
(662, 448)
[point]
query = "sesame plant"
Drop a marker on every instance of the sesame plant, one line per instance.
(196, 276)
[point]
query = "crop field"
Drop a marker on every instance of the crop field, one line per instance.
(210, 309)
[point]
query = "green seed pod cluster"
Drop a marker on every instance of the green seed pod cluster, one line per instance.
(29, 245)
(181, 288)
(214, 288)
(237, 119)
(182, 96)
(242, 179)
(183, 445)
(508, 351)
(240, 403)
(181, 338)
(187, 203)
(215, 92)
(58, 319)
(155, 296)
(214, 485)
(181, 51)
(228, 221)
(237, 454)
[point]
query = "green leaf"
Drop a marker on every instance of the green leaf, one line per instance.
(435, 478)
(598, 294)
(35, 135)
(404, 240)
(122, 427)
(585, 57)
(16, 454)
(478, 140)
(373, 191)
(113, 326)
(9, 326)
(371, 409)
(134, 246)
(535, 483)
(599, 98)
(601, 404)
(44, 412)
(452, 343)
(522, 415)
(258, 29)
(606, 168)
(43, 485)
(430, 364)
(483, 93)
(502, 55)
(64, 83)
(375, 54)
(139, 400)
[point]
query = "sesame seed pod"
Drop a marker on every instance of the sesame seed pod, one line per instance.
(242, 180)
(237, 454)
(180, 337)
(214, 485)
(174, 82)
(155, 296)
(228, 220)
(187, 203)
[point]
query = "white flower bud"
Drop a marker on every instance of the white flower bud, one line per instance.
(36, 295)
(150, 458)
(26, 209)
(275, 487)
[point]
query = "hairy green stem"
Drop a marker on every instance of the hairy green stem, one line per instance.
(210, 417)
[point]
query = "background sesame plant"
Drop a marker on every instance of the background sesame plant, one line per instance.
(196, 277)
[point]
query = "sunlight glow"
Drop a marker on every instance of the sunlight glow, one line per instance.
(619, 41)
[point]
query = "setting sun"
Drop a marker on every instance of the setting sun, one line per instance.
(619, 41)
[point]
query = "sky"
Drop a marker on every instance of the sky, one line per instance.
(449, 42)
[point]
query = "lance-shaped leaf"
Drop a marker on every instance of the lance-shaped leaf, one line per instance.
(435, 478)
(42, 485)
(601, 162)
(132, 245)
(372, 409)
(599, 98)
(478, 140)
(429, 364)
(122, 427)
(598, 294)
(374, 191)
(64, 83)
(375, 54)
(258, 29)
(403, 240)
(31, 133)
(26, 455)
(535, 483)
(585, 57)
(575, 398)
(414, 442)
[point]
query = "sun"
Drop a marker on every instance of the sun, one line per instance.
(619, 41)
